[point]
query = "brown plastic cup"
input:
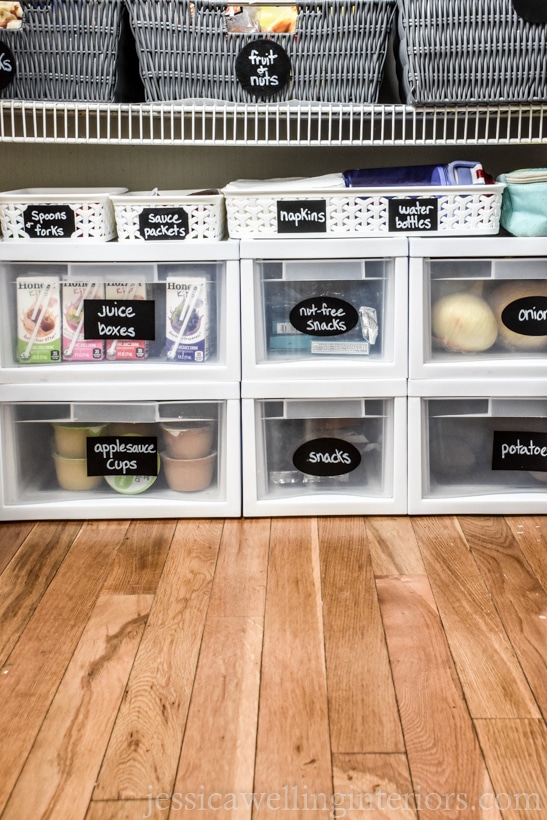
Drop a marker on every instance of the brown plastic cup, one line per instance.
(188, 440)
(188, 475)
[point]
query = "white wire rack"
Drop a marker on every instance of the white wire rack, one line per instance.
(294, 123)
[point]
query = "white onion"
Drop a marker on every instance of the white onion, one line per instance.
(464, 322)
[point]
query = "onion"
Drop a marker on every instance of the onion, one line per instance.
(503, 296)
(464, 322)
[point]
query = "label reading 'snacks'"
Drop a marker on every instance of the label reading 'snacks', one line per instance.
(38, 320)
(187, 334)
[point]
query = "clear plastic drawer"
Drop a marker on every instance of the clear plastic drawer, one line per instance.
(320, 456)
(98, 459)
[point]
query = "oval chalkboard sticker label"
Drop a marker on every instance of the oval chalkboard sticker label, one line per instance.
(263, 68)
(326, 457)
(323, 316)
(527, 316)
(7, 66)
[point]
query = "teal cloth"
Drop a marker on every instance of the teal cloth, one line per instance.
(524, 208)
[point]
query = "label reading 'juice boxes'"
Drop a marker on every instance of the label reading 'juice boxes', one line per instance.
(124, 349)
(76, 348)
(38, 320)
(187, 319)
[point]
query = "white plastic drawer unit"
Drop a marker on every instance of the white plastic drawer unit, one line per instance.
(324, 309)
(484, 453)
(478, 308)
(315, 455)
(88, 458)
(62, 319)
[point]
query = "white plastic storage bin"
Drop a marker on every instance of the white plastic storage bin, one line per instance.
(478, 309)
(450, 210)
(477, 447)
(105, 315)
(306, 452)
(333, 310)
(58, 214)
(110, 451)
(169, 216)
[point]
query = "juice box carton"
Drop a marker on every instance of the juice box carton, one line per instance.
(187, 336)
(76, 348)
(38, 319)
(126, 349)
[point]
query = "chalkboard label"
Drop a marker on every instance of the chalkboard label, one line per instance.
(410, 215)
(527, 316)
(163, 224)
(122, 319)
(533, 11)
(122, 455)
(326, 457)
(49, 221)
(323, 316)
(302, 216)
(7, 66)
(263, 68)
(519, 451)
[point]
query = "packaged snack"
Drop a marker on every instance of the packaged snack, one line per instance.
(187, 319)
(38, 320)
(11, 15)
(75, 346)
(126, 349)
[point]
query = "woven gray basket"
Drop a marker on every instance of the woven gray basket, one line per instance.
(469, 51)
(65, 50)
(337, 52)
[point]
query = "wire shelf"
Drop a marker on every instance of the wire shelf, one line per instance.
(285, 124)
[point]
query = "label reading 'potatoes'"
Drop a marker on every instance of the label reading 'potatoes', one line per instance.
(519, 451)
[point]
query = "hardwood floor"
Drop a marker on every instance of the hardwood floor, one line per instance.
(366, 668)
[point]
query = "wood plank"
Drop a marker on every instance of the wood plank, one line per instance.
(489, 672)
(515, 752)
(150, 809)
(217, 758)
(362, 706)
(68, 750)
(393, 546)
(28, 575)
(218, 751)
(140, 560)
(530, 532)
(373, 787)
(518, 596)
(443, 754)
(39, 659)
(293, 745)
(144, 748)
(239, 586)
(12, 535)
